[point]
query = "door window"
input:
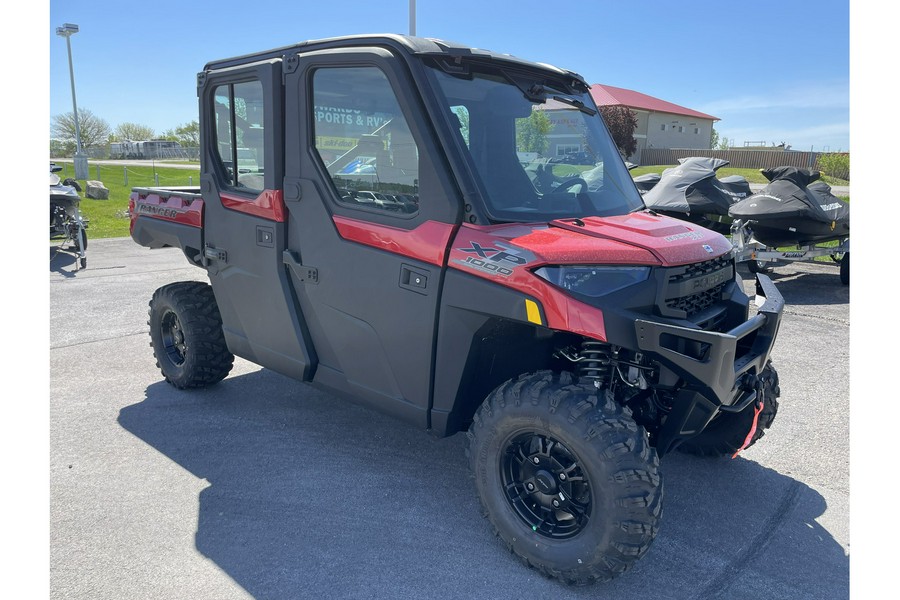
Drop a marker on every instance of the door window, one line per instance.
(364, 140)
(239, 134)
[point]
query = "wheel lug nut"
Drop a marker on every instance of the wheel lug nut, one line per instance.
(562, 476)
(556, 503)
(536, 460)
(530, 486)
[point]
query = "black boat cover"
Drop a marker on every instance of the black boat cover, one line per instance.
(793, 193)
(692, 188)
(794, 208)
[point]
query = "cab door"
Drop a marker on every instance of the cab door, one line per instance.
(371, 211)
(244, 218)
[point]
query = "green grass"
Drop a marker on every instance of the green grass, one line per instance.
(109, 218)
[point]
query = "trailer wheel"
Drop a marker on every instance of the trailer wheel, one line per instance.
(758, 266)
(845, 269)
(726, 433)
(186, 335)
(566, 477)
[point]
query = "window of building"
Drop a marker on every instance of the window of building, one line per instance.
(696, 130)
(564, 149)
(681, 129)
(364, 141)
(662, 127)
(239, 135)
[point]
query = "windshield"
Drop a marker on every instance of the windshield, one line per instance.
(539, 151)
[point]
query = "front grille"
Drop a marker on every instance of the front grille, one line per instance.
(692, 289)
(698, 302)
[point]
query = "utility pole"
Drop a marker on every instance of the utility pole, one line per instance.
(412, 17)
(81, 162)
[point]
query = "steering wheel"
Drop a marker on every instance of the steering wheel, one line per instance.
(568, 183)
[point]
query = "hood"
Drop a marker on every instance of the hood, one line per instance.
(633, 239)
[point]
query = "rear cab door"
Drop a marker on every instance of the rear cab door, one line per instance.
(241, 110)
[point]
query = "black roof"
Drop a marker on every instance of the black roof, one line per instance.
(410, 44)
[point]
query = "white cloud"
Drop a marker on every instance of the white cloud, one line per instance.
(825, 95)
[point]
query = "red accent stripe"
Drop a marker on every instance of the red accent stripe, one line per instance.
(428, 242)
(268, 205)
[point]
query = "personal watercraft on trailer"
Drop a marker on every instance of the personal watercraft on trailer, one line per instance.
(691, 192)
(66, 222)
(793, 210)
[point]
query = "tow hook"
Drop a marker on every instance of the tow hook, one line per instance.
(756, 384)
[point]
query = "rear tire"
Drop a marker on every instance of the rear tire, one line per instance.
(566, 477)
(186, 335)
(845, 269)
(725, 434)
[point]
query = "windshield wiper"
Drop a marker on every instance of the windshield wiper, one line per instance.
(577, 104)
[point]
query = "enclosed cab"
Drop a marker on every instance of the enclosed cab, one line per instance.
(408, 240)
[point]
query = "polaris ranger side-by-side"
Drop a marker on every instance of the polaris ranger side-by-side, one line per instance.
(385, 218)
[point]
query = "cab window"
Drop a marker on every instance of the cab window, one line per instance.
(364, 140)
(239, 134)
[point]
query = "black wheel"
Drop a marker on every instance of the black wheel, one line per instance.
(845, 268)
(186, 335)
(727, 432)
(758, 266)
(567, 478)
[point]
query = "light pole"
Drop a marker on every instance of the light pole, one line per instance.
(81, 161)
(412, 17)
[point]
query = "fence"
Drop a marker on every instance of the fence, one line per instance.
(739, 159)
(103, 152)
(117, 174)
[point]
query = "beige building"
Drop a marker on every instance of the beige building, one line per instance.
(660, 124)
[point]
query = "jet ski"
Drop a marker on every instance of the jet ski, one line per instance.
(691, 192)
(66, 221)
(793, 209)
(645, 183)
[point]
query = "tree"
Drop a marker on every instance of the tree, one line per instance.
(188, 135)
(714, 139)
(94, 130)
(621, 122)
(724, 144)
(531, 132)
(134, 132)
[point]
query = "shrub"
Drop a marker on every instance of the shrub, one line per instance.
(835, 164)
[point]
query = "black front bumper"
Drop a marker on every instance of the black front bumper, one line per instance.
(717, 366)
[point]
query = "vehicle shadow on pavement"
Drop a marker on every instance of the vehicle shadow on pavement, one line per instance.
(62, 261)
(311, 496)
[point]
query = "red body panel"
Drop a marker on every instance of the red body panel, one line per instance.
(268, 205)
(174, 208)
(508, 255)
(428, 242)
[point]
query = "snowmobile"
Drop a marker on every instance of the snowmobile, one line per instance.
(66, 222)
(692, 192)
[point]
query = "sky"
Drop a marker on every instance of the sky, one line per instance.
(772, 71)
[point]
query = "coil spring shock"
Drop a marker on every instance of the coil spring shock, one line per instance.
(595, 361)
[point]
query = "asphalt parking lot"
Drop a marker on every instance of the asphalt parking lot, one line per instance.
(263, 487)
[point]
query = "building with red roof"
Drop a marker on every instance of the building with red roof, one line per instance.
(660, 124)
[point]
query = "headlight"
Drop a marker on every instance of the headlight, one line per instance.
(593, 281)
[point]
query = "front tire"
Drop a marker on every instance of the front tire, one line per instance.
(726, 433)
(186, 335)
(566, 477)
